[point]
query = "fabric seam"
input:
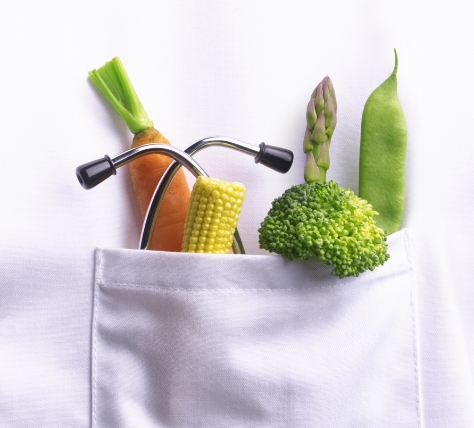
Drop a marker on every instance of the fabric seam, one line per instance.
(99, 270)
(124, 285)
(414, 327)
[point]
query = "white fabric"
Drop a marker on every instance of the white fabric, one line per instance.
(447, 390)
(182, 340)
(243, 69)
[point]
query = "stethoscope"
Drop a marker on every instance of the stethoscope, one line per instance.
(93, 173)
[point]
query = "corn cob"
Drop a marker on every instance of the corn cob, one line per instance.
(212, 216)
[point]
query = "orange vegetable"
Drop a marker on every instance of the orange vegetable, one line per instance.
(113, 82)
(146, 173)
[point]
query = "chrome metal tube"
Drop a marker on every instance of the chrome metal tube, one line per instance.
(93, 173)
(180, 157)
(167, 178)
(230, 143)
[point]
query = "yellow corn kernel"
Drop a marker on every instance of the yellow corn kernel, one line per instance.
(212, 217)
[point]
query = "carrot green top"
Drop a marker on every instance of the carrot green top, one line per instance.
(114, 84)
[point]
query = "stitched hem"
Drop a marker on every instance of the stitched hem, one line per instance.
(415, 327)
(98, 278)
(353, 282)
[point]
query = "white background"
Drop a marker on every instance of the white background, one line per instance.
(243, 69)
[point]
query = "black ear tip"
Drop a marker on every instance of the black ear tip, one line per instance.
(92, 173)
(276, 158)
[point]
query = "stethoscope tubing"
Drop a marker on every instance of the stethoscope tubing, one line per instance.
(167, 178)
(180, 159)
(93, 173)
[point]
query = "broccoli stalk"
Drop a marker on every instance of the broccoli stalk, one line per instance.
(319, 219)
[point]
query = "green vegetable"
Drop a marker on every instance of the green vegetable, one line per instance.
(321, 121)
(114, 84)
(319, 219)
(326, 221)
(382, 154)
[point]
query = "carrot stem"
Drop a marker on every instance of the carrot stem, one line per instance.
(114, 84)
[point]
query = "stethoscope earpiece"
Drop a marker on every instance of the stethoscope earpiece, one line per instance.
(276, 158)
(93, 173)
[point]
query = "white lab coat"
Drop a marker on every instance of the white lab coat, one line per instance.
(94, 332)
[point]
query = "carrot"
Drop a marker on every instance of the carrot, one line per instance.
(114, 84)
(146, 173)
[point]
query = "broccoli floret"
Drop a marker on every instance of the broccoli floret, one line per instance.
(326, 221)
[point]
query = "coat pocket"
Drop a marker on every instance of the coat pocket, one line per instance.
(186, 340)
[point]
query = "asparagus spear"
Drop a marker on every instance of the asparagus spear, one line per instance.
(321, 118)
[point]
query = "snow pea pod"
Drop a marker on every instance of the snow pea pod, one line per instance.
(382, 154)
